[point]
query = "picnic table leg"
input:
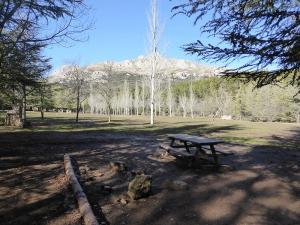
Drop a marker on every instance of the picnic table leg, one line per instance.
(199, 149)
(213, 151)
(186, 147)
(172, 142)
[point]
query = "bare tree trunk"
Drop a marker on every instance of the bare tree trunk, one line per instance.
(109, 114)
(159, 98)
(152, 93)
(42, 106)
(298, 117)
(143, 96)
(154, 32)
(183, 104)
(192, 100)
(126, 96)
(170, 98)
(77, 103)
(24, 105)
(136, 98)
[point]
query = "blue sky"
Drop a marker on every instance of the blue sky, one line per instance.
(120, 32)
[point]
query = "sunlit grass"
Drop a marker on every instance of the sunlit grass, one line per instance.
(240, 132)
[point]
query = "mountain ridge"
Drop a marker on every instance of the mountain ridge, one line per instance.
(179, 68)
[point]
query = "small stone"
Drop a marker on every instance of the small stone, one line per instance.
(118, 166)
(123, 201)
(225, 168)
(176, 185)
(180, 185)
(140, 186)
(164, 154)
(296, 184)
(295, 167)
(83, 171)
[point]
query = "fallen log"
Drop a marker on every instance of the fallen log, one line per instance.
(84, 206)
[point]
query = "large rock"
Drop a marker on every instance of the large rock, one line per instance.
(140, 186)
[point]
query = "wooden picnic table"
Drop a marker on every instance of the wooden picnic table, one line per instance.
(201, 144)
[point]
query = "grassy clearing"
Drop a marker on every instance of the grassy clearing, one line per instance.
(239, 132)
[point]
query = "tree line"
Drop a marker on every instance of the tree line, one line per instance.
(112, 92)
(265, 34)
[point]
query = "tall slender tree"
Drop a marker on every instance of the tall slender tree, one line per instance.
(106, 85)
(191, 98)
(170, 97)
(76, 80)
(153, 38)
(136, 98)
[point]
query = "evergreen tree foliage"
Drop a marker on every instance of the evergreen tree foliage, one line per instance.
(265, 34)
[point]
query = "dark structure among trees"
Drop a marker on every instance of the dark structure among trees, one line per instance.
(266, 33)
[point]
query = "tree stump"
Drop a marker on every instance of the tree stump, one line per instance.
(12, 119)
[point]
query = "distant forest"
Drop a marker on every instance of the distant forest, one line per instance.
(213, 97)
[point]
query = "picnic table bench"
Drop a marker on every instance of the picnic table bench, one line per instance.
(200, 144)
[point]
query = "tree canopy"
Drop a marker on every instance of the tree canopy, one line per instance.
(26, 28)
(265, 33)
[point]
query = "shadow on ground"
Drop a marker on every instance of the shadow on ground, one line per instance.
(263, 187)
(65, 131)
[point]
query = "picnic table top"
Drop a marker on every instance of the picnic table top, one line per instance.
(195, 139)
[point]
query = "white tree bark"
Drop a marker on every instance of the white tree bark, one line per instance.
(170, 97)
(143, 97)
(154, 32)
(126, 97)
(183, 104)
(136, 98)
(192, 99)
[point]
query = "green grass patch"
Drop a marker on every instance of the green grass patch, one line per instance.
(238, 132)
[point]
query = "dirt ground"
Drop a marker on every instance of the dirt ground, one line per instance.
(259, 185)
